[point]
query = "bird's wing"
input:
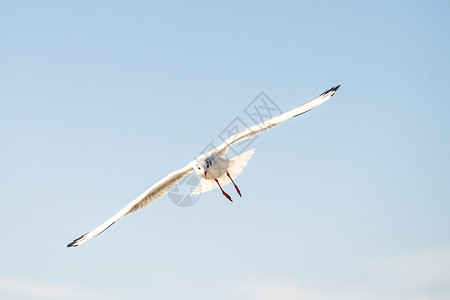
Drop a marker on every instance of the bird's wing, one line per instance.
(152, 194)
(266, 125)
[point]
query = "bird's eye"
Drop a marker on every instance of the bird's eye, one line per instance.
(198, 168)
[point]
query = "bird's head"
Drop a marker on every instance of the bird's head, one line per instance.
(202, 167)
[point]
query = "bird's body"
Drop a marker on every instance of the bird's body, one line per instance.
(215, 169)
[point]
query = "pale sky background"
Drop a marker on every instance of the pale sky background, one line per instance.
(101, 100)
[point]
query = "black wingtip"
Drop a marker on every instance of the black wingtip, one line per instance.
(333, 89)
(75, 241)
(71, 245)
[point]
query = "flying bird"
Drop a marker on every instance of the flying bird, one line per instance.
(215, 169)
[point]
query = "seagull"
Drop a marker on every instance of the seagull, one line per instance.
(213, 167)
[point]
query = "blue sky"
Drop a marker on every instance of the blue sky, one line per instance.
(101, 100)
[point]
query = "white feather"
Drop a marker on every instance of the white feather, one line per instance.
(236, 165)
(152, 194)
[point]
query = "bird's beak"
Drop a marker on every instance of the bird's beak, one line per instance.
(205, 175)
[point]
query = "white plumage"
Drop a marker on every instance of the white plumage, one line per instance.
(208, 161)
